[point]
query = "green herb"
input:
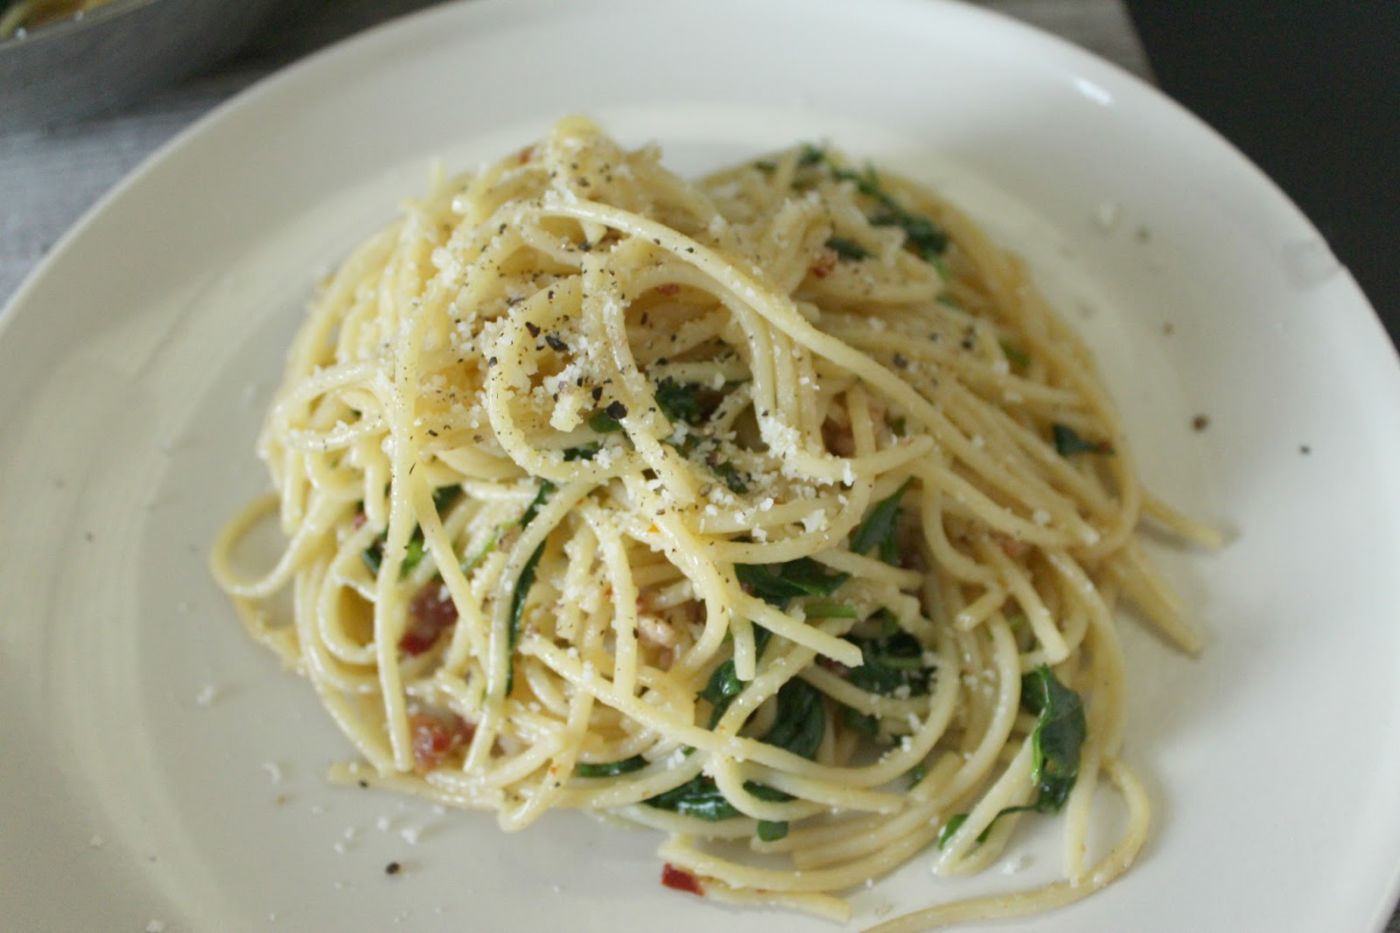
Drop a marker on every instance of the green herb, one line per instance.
(583, 451)
(827, 610)
(546, 490)
(949, 828)
(471, 563)
(373, 556)
(810, 155)
(698, 797)
(677, 402)
(800, 722)
(847, 249)
(1017, 357)
(890, 663)
(799, 725)
(1068, 443)
(917, 775)
(413, 553)
(772, 831)
(610, 768)
(777, 584)
(721, 689)
(877, 530)
(736, 481)
(920, 233)
(766, 166)
(724, 684)
(866, 724)
(1055, 743)
(604, 423)
(521, 593)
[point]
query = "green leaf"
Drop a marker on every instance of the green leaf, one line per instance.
(521, 594)
(865, 723)
(604, 423)
(1059, 734)
(610, 768)
(444, 496)
(546, 490)
(736, 481)
(917, 775)
(677, 402)
(721, 689)
(1068, 443)
(949, 828)
(847, 249)
(413, 554)
(582, 451)
(772, 831)
(800, 723)
(471, 563)
(373, 556)
(724, 685)
(810, 155)
(878, 528)
(777, 584)
(698, 797)
(890, 663)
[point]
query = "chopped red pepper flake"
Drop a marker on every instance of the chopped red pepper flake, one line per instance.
(680, 880)
(670, 288)
(430, 611)
(524, 155)
(825, 263)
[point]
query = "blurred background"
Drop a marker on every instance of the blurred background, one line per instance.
(1308, 89)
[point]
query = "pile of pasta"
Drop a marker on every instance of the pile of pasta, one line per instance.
(776, 511)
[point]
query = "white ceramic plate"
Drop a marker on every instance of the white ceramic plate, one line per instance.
(135, 364)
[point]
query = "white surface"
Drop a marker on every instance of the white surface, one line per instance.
(136, 363)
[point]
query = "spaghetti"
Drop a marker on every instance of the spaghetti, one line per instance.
(777, 512)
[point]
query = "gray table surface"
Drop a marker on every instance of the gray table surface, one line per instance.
(48, 179)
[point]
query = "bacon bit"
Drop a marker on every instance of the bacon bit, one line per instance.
(525, 155)
(669, 289)
(826, 262)
(430, 611)
(359, 520)
(435, 736)
(679, 880)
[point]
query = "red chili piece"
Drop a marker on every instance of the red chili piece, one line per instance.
(673, 877)
(430, 611)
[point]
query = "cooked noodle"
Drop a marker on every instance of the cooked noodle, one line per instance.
(776, 511)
